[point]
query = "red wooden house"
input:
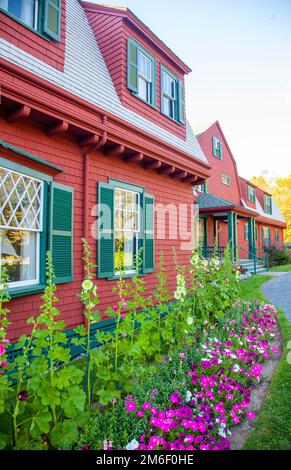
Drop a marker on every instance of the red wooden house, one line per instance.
(92, 110)
(232, 208)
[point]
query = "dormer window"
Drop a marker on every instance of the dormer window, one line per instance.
(169, 87)
(251, 194)
(44, 16)
(172, 96)
(144, 77)
(141, 72)
(267, 204)
(217, 148)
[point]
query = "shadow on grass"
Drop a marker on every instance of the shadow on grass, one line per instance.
(273, 427)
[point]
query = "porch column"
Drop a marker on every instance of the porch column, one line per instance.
(232, 234)
(251, 237)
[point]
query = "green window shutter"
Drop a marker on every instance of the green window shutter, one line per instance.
(61, 231)
(52, 14)
(154, 83)
(206, 186)
(132, 82)
(148, 265)
(105, 238)
(181, 97)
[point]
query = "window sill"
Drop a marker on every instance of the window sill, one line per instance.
(27, 290)
(172, 119)
(126, 276)
(144, 101)
(38, 33)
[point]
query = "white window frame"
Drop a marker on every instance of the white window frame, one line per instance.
(171, 98)
(226, 180)
(251, 193)
(38, 231)
(217, 148)
(136, 231)
(268, 206)
(149, 82)
(4, 6)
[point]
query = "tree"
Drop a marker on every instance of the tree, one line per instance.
(282, 196)
(280, 188)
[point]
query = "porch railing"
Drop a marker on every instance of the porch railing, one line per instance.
(209, 251)
(254, 254)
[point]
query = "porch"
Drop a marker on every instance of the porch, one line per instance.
(222, 222)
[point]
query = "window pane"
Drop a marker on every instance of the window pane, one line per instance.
(20, 201)
(143, 89)
(144, 66)
(125, 243)
(126, 228)
(168, 107)
(24, 10)
(169, 85)
(18, 251)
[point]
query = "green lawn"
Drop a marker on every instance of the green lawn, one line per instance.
(284, 267)
(273, 427)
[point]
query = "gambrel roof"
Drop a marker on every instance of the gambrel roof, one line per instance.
(86, 76)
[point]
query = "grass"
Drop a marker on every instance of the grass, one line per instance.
(273, 427)
(284, 267)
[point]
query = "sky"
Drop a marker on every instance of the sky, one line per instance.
(240, 55)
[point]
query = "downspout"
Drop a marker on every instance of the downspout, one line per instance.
(86, 172)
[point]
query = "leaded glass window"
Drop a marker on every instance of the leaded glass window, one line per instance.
(21, 202)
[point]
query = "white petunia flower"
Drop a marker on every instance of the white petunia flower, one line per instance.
(132, 445)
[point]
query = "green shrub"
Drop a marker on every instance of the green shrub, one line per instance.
(277, 256)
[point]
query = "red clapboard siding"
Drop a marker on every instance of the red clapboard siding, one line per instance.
(226, 166)
(67, 154)
(111, 33)
(49, 51)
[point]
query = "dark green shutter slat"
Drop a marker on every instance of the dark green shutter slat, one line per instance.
(148, 233)
(132, 65)
(61, 231)
(181, 116)
(52, 18)
(105, 238)
(154, 83)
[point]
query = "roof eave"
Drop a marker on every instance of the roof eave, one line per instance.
(130, 17)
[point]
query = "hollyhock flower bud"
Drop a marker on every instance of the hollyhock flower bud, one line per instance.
(23, 395)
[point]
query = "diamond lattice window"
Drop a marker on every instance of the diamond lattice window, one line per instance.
(20, 226)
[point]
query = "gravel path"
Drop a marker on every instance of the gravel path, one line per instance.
(278, 292)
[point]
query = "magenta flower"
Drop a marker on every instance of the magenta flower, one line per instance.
(146, 406)
(130, 406)
(2, 350)
(250, 415)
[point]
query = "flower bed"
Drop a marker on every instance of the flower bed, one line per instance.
(198, 394)
(186, 387)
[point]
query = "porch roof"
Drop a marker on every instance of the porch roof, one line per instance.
(208, 203)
